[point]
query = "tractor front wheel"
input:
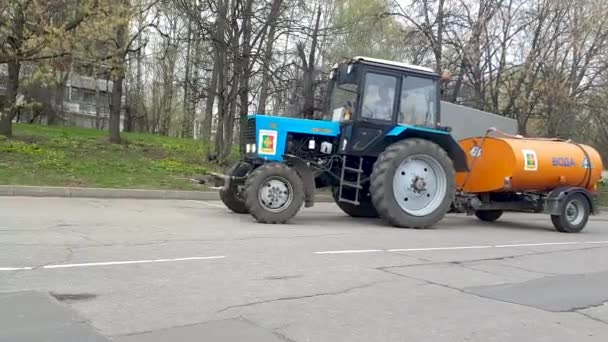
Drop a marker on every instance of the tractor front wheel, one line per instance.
(232, 196)
(412, 184)
(274, 193)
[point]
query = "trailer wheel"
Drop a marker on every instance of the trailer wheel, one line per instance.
(274, 193)
(489, 215)
(233, 197)
(412, 184)
(574, 214)
(364, 209)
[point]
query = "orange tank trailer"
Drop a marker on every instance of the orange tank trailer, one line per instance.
(528, 165)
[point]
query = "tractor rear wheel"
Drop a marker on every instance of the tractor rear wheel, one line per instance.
(412, 184)
(233, 197)
(364, 209)
(274, 193)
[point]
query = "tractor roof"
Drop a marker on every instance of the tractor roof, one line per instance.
(394, 64)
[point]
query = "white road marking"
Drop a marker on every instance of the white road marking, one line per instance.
(6, 269)
(210, 204)
(426, 249)
(351, 251)
(112, 263)
(540, 244)
(436, 249)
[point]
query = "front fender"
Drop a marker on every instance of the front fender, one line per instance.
(441, 138)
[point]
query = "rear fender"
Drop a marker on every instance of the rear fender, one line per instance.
(441, 138)
(554, 202)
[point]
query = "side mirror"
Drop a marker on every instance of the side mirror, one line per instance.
(347, 73)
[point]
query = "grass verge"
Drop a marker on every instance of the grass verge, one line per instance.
(68, 156)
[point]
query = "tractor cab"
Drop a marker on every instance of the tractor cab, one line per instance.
(374, 98)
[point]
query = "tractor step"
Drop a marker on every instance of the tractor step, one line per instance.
(349, 184)
(352, 185)
(353, 169)
(349, 201)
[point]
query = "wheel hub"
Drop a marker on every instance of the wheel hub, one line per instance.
(574, 212)
(275, 194)
(419, 185)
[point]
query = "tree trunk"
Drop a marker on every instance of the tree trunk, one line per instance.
(219, 66)
(223, 116)
(308, 109)
(115, 108)
(97, 102)
(118, 78)
(9, 111)
(57, 106)
(438, 48)
(246, 69)
(272, 27)
(188, 115)
(208, 119)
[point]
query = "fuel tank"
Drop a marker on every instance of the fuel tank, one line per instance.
(523, 164)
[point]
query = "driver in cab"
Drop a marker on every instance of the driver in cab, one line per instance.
(379, 105)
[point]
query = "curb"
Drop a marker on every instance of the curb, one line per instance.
(51, 191)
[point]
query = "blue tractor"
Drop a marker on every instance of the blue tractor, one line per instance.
(380, 148)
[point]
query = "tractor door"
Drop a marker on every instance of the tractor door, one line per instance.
(374, 116)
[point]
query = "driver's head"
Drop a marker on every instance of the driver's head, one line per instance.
(383, 92)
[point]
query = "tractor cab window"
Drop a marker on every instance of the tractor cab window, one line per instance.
(379, 96)
(342, 101)
(418, 101)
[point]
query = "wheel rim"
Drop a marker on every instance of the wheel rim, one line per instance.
(420, 185)
(575, 212)
(275, 194)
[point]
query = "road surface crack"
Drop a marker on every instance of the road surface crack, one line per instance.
(322, 294)
(586, 315)
(515, 256)
(67, 258)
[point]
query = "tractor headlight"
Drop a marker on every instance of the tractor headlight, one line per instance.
(248, 148)
(253, 148)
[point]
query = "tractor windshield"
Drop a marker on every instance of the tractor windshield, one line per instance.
(342, 101)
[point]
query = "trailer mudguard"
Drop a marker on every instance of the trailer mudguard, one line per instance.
(554, 201)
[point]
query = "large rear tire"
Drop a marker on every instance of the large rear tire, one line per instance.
(233, 196)
(412, 184)
(274, 193)
(364, 209)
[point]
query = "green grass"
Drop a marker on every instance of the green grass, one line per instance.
(68, 156)
(603, 197)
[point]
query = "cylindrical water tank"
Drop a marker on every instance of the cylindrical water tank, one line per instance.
(527, 165)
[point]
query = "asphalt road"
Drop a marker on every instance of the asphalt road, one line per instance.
(129, 270)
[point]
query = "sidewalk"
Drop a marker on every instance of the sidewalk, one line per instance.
(50, 191)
